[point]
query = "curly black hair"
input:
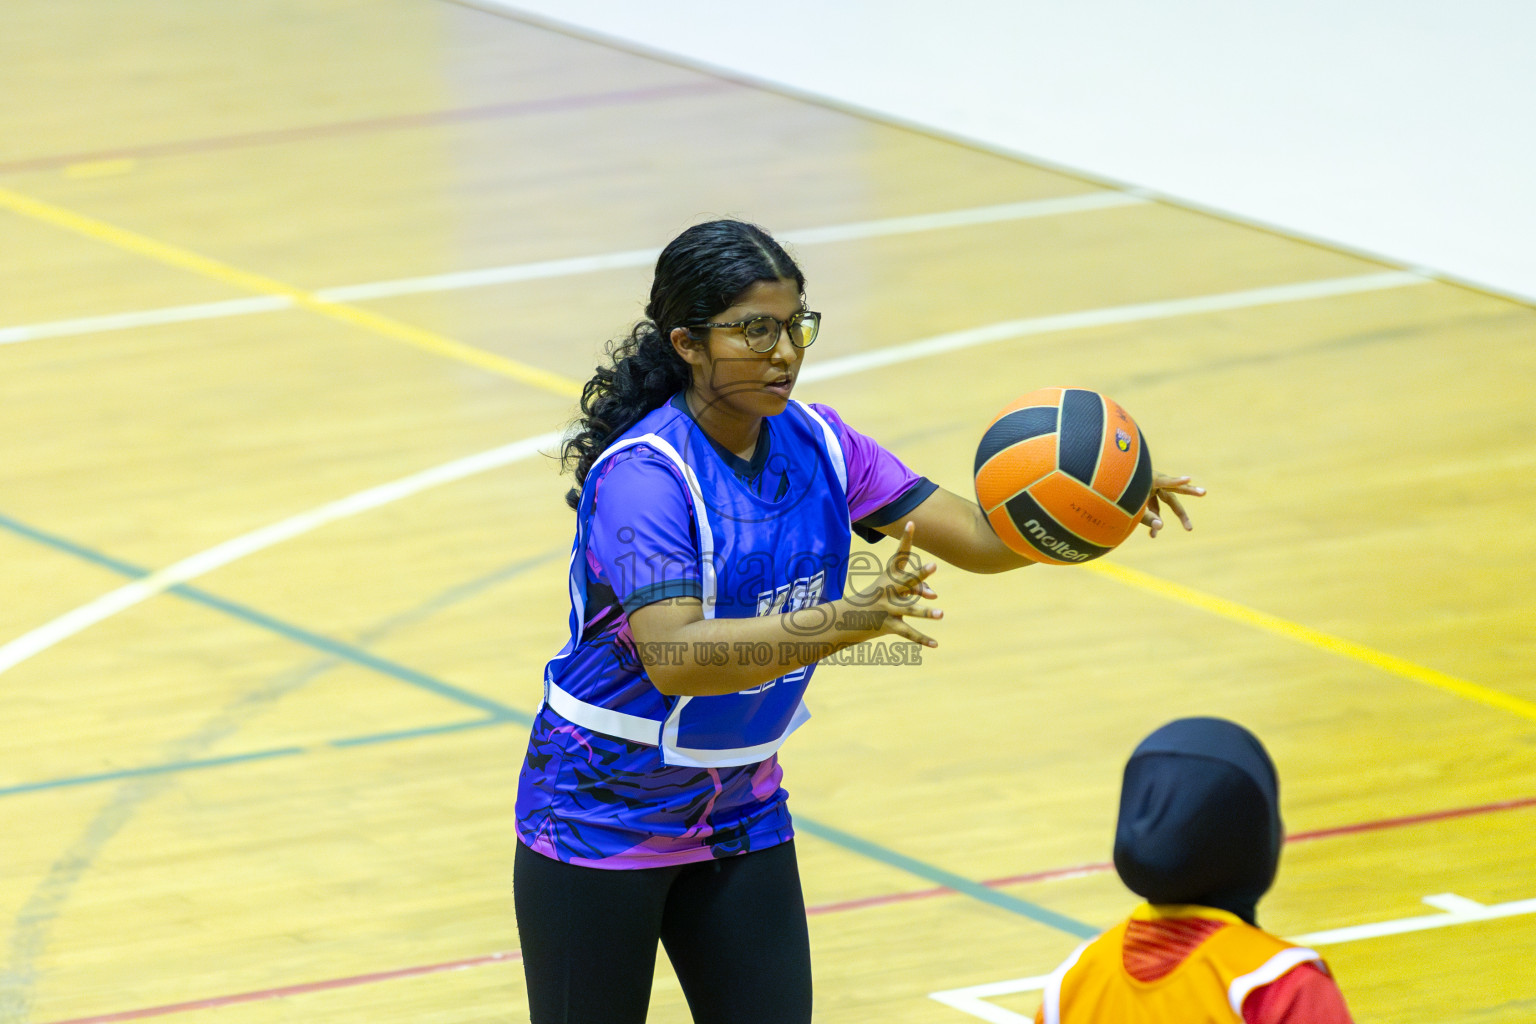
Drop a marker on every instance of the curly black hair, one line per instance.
(699, 274)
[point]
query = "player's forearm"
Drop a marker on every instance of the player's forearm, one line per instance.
(983, 552)
(954, 529)
(968, 542)
(708, 657)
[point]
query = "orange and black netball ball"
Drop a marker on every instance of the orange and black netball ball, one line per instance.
(1063, 475)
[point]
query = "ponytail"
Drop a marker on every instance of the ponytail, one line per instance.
(645, 371)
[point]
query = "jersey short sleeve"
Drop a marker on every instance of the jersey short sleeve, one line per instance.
(642, 540)
(881, 489)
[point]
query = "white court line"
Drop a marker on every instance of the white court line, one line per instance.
(67, 625)
(144, 318)
(70, 623)
(562, 268)
(1111, 315)
(1458, 910)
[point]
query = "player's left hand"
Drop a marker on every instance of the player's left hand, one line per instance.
(1167, 488)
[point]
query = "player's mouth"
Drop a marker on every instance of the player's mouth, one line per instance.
(780, 385)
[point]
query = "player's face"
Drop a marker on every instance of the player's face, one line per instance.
(736, 380)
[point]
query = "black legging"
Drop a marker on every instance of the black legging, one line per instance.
(734, 929)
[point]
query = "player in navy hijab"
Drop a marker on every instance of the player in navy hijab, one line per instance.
(1200, 817)
(1199, 837)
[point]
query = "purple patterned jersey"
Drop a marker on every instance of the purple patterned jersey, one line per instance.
(594, 799)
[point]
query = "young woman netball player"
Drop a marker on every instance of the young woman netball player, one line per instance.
(710, 571)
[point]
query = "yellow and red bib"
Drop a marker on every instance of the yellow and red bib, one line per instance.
(1169, 965)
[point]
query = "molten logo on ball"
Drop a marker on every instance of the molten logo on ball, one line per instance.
(1060, 548)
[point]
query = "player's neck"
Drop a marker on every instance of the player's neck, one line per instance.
(735, 432)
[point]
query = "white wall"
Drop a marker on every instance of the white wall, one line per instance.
(1405, 129)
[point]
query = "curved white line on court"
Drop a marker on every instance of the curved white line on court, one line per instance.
(67, 625)
(564, 267)
(125, 597)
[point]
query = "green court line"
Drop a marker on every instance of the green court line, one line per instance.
(328, 645)
(948, 879)
(154, 769)
(498, 714)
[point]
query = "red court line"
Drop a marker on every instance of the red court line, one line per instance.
(922, 894)
(823, 908)
(296, 990)
(1412, 819)
(1092, 869)
(494, 111)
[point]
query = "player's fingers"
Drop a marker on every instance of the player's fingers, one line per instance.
(905, 591)
(899, 627)
(907, 575)
(914, 575)
(1178, 510)
(1176, 485)
(901, 566)
(1151, 521)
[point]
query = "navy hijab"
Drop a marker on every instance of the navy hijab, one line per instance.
(1200, 817)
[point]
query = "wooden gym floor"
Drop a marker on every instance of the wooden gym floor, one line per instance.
(295, 295)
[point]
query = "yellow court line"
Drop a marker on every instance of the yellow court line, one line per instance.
(185, 259)
(1315, 638)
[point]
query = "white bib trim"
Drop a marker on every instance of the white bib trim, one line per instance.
(664, 734)
(1052, 993)
(1279, 965)
(600, 719)
(839, 461)
(695, 757)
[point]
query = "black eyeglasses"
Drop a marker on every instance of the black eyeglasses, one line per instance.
(762, 332)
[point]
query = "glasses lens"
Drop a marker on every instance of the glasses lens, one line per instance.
(803, 328)
(762, 333)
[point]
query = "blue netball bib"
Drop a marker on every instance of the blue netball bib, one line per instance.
(757, 556)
